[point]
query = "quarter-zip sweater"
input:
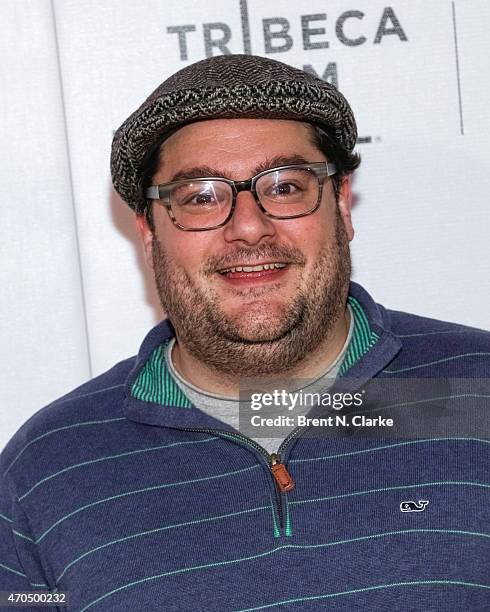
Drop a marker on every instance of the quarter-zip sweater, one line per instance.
(129, 498)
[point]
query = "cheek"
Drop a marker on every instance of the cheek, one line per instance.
(313, 235)
(187, 250)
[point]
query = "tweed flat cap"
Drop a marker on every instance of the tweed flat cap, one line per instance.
(223, 87)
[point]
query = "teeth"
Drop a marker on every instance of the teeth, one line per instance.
(270, 266)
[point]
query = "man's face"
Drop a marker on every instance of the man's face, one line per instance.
(261, 322)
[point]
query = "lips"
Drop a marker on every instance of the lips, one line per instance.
(253, 268)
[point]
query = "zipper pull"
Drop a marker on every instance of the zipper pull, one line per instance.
(281, 475)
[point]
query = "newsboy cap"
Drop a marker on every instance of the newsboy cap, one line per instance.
(224, 87)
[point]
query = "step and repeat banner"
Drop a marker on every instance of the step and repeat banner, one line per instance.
(76, 296)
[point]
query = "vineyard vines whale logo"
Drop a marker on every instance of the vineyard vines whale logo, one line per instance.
(411, 506)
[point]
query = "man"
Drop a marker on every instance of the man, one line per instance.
(138, 491)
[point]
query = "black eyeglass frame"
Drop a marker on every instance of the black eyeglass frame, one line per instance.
(161, 193)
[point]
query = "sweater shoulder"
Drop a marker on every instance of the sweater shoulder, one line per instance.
(404, 325)
(434, 347)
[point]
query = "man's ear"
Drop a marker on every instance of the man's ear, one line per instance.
(345, 205)
(146, 236)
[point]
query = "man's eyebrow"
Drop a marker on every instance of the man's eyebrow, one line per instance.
(207, 171)
(281, 160)
(195, 172)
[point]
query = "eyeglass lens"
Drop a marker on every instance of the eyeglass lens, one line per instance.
(283, 193)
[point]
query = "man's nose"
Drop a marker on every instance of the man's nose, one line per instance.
(248, 222)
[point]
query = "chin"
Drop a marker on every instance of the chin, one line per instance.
(258, 336)
(258, 307)
(258, 328)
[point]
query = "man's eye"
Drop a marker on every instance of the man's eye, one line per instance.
(203, 198)
(284, 189)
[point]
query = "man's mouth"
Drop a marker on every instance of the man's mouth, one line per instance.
(254, 268)
(254, 273)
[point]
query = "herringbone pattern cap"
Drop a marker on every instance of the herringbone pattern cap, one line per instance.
(220, 87)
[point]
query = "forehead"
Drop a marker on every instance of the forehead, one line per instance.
(235, 146)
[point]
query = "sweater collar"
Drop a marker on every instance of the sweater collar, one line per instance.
(154, 398)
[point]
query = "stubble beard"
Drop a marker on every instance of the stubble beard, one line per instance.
(256, 342)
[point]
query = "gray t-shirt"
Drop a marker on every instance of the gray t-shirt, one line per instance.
(226, 409)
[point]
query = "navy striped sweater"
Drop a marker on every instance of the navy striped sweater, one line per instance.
(129, 498)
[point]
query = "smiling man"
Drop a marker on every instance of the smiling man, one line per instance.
(141, 490)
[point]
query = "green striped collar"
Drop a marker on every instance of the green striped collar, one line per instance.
(155, 384)
(363, 337)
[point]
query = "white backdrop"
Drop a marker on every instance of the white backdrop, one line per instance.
(76, 297)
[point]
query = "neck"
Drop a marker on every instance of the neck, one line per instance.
(313, 365)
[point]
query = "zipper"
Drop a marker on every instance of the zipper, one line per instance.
(289, 437)
(282, 478)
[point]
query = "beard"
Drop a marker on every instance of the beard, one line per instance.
(257, 340)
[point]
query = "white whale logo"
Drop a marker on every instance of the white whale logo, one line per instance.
(411, 506)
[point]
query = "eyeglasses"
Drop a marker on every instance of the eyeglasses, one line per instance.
(201, 204)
